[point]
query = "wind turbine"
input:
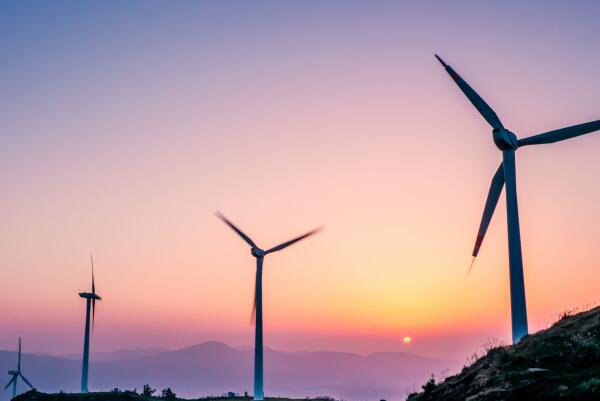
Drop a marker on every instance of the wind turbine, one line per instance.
(91, 298)
(260, 254)
(16, 374)
(508, 143)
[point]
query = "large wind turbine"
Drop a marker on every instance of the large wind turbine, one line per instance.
(259, 254)
(508, 143)
(91, 298)
(16, 374)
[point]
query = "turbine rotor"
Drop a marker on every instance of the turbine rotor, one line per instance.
(504, 139)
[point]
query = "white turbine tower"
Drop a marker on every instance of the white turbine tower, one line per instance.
(259, 254)
(508, 143)
(91, 298)
(16, 374)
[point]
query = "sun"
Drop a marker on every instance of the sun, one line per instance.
(407, 340)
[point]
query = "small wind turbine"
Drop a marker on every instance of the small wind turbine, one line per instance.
(91, 298)
(259, 254)
(16, 374)
(508, 143)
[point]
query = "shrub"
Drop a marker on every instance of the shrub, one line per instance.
(430, 385)
(168, 394)
(148, 391)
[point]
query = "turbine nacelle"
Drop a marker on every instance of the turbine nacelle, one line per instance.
(13, 372)
(257, 252)
(89, 295)
(504, 139)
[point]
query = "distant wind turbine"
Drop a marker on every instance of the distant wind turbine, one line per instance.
(259, 254)
(508, 143)
(16, 374)
(91, 298)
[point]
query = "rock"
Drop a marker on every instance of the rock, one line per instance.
(535, 370)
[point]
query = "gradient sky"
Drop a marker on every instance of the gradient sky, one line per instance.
(125, 125)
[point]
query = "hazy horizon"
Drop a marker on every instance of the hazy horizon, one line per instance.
(126, 125)
(214, 368)
(158, 349)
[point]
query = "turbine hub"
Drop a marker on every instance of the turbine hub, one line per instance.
(504, 139)
(257, 252)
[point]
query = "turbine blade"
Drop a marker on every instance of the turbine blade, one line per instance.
(93, 313)
(484, 109)
(237, 230)
(471, 265)
(490, 206)
(293, 241)
(19, 360)
(25, 380)
(94, 293)
(560, 134)
(93, 283)
(10, 382)
(253, 315)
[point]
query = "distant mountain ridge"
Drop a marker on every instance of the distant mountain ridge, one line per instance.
(120, 355)
(214, 368)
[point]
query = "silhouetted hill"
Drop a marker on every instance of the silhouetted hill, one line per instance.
(560, 363)
(213, 368)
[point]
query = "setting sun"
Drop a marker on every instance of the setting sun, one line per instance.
(407, 340)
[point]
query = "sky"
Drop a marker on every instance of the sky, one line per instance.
(124, 126)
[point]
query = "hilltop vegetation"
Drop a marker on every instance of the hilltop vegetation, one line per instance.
(560, 363)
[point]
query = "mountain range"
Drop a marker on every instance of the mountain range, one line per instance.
(213, 368)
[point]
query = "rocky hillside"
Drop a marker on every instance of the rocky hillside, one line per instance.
(560, 363)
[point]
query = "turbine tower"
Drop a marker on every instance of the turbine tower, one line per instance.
(16, 374)
(91, 298)
(508, 143)
(259, 254)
